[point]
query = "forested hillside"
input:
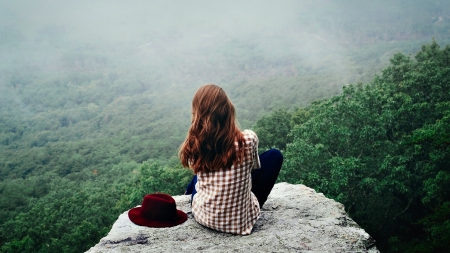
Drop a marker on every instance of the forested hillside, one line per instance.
(95, 101)
(381, 148)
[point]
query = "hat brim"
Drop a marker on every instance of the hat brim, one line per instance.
(135, 216)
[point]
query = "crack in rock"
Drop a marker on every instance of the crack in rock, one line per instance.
(140, 239)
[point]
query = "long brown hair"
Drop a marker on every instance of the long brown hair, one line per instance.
(210, 142)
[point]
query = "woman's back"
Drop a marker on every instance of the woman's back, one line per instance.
(224, 200)
(232, 182)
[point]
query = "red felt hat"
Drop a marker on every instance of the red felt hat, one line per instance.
(158, 210)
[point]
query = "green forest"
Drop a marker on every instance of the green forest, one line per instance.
(93, 109)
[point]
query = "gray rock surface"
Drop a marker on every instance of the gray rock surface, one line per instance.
(294, 219)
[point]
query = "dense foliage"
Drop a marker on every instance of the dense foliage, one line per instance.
(70, 218)
(382, 149)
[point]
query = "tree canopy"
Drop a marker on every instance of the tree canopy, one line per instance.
(383, 150)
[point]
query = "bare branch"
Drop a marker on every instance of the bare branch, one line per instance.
(404, 210)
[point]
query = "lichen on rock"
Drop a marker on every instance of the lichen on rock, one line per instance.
(294, 219)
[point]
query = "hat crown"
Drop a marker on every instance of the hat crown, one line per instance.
(157, 210)
(159, 207)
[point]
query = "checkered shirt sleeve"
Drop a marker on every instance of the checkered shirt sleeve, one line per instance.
(224, 200)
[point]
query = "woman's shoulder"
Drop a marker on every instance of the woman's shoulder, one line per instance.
(250, 135)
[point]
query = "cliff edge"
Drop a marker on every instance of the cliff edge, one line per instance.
(294, 219)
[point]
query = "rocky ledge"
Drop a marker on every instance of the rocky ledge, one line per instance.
(294, 219)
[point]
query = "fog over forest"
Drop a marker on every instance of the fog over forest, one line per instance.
(95, 96)
(189, 44)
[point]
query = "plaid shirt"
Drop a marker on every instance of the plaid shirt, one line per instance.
(224, 200)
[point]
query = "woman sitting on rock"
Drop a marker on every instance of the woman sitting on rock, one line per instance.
(231, 181)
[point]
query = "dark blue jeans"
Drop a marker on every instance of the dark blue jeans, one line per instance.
(263, 179)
